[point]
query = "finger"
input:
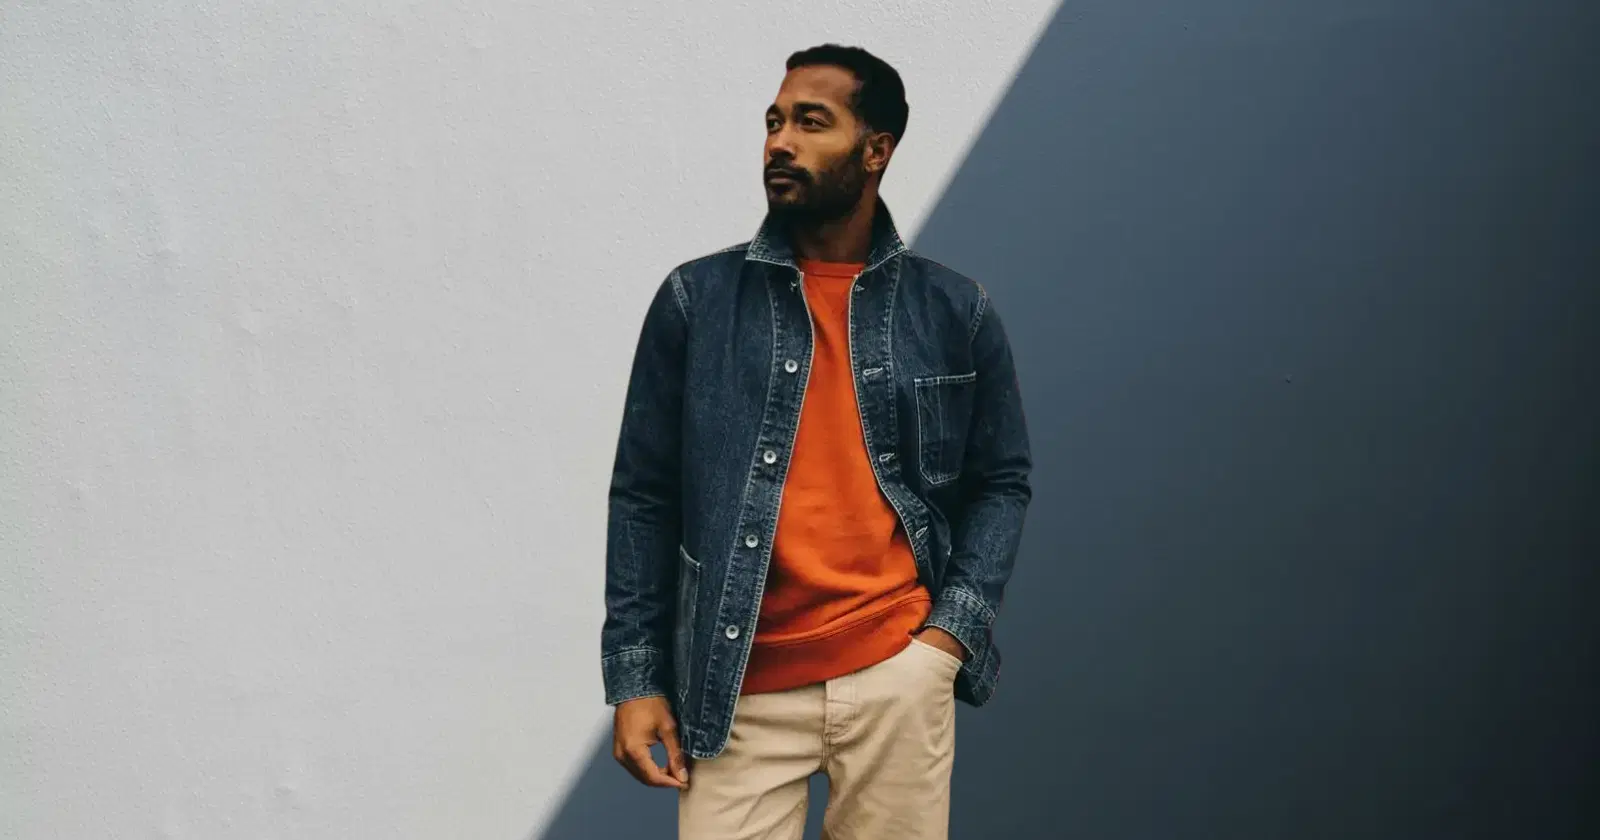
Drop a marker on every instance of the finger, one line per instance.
(631, 764)
(676, 764)
(646, 770)
(620, 753)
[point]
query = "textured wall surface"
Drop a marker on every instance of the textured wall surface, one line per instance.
(314, 326)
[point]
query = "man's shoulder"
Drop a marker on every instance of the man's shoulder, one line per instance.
(704, 271)
(960, 289)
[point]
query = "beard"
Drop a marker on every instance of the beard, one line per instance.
(825, 196)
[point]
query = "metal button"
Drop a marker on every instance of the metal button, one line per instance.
(791, 366)
(732, 632)
(751, 541)
(769, 456)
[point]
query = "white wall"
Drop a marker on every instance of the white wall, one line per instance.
(314, 329)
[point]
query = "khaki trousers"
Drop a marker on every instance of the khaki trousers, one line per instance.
(884, 735)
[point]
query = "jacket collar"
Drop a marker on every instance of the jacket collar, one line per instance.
(771, 243)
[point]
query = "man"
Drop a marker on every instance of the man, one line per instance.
(818, 493)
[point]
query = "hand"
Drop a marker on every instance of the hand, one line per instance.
(637, 726)
(941, 639)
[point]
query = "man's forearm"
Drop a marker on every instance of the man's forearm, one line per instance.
(636, 637)
(985, 546)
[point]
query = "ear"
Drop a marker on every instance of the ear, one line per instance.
(880, 147)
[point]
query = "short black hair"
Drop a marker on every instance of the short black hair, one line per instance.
(880, 98)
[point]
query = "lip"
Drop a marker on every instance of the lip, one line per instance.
(781, 178)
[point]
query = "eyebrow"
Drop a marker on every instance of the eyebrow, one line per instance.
(803, 108)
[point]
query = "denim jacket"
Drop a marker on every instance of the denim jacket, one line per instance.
(713, 403)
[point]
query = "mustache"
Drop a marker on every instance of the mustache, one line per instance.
(798, 175)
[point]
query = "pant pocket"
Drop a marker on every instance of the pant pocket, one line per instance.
(947, 663)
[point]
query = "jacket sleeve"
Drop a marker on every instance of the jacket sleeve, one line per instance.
(643, 515)
(995, 493)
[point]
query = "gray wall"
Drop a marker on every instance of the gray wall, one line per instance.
(1304, 298)
(1303, 295)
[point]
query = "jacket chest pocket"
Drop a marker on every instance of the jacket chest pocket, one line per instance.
(944, 411)
(683, 621)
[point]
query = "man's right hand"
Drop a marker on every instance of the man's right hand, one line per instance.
(637, 726)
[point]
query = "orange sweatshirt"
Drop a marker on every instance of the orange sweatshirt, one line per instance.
(842, 590)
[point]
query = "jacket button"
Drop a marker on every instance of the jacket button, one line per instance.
(769, 456)
(751, 541)
(791, 366)
(732, 632)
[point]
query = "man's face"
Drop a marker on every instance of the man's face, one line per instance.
(815, 166)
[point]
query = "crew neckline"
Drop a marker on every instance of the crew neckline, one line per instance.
(832, 269)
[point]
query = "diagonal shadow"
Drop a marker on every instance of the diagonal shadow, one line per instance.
(1302, 295)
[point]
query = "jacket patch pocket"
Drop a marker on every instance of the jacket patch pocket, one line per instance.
(683, 620)
(944, 410)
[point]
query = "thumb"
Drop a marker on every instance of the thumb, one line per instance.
(677, 765)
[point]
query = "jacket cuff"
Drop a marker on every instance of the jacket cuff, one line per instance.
(635, 673)
(963, 615)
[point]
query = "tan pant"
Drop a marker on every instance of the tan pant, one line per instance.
(884, 735)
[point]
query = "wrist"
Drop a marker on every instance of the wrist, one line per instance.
(944, 640)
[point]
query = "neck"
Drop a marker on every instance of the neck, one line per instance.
(846, 239)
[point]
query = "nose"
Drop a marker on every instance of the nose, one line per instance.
(780, 146)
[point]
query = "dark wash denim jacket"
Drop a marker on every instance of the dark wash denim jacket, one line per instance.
(712, 406)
